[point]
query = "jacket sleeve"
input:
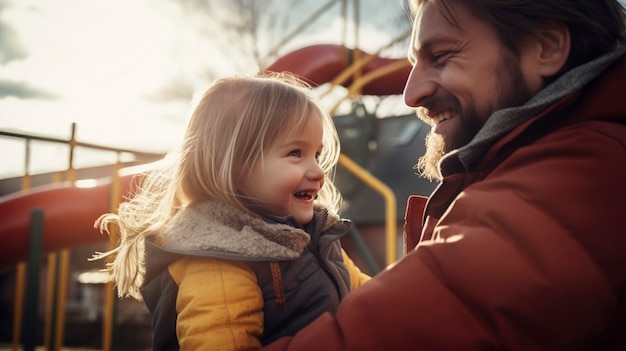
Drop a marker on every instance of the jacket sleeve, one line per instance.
(357, 277)
(517, 262)
(219, 305)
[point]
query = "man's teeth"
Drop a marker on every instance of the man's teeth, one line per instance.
(442, 116)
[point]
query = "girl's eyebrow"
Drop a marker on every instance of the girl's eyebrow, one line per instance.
(297, 143)
(291, 143)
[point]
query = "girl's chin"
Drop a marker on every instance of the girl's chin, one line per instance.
(304, 220)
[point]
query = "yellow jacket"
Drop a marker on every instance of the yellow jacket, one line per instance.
(230, 317)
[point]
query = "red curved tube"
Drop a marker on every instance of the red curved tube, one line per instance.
(320, 64)
(69, 215)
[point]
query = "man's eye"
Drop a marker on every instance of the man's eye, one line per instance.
(440, 57)
(295, 153)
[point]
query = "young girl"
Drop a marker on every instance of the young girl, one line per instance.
(236, 242)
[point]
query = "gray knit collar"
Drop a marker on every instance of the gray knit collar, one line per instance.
(505, 120)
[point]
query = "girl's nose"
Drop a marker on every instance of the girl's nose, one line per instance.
(315, 171)
(419, 87)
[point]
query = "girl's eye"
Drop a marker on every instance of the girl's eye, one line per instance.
(295, 153)
(317, 156)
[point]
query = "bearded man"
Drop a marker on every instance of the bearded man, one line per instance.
(522, 246)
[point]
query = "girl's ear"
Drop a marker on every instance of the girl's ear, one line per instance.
(553, 48)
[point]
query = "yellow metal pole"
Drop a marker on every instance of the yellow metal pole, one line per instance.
(109, 312)
(64, 263)
(49, 308)
(390, 204)
(20, 282)
(358, 84)
(50, 290)
(64, 266)
(20, 273)
(357, 65)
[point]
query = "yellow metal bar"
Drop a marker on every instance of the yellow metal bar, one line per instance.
(390, 204)
(357, 65)
(20, 282)
(357, 85)
(349, 72)
(107, 324)
(50, 275)
(109, 311)
(20, 273)
(64, 264)
(50, 289)
(64, 268)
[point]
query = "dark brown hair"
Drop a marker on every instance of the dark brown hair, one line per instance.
(595, 26)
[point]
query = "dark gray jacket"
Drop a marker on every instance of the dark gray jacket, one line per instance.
(313, 276)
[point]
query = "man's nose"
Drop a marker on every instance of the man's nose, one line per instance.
(419, 86)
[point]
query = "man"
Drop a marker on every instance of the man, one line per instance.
(523, 244)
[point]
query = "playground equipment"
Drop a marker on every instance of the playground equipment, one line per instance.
(375, 183)
(70, 210)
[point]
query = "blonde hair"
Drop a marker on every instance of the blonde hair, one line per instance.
(236, 119)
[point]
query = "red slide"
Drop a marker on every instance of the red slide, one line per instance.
(69, 211)
(320, 64)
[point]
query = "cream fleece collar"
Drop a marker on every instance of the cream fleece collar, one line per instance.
(218, 227)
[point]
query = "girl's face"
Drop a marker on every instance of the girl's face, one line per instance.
(289, 177)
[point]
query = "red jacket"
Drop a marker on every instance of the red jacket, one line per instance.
(527, 251)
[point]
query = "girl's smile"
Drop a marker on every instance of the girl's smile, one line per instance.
(286, 181)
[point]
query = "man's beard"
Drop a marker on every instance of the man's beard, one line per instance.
(428, 165)
(513, 92)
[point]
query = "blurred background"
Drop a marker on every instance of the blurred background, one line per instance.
(89, 88)
(126, 71)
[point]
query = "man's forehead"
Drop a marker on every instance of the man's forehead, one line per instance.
(430, 25)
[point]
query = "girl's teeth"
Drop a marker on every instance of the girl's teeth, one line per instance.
(303, 194)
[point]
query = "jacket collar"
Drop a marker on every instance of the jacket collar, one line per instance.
(555, 95)
(211, 228)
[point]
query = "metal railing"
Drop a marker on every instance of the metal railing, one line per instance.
(27, 273)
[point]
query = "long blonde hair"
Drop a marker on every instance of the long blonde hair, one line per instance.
(234, 121)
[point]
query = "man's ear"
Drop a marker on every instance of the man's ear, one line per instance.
(554, 48)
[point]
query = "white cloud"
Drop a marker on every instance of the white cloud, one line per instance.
(101, 60)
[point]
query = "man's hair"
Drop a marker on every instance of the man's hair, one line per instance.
(595, 26)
